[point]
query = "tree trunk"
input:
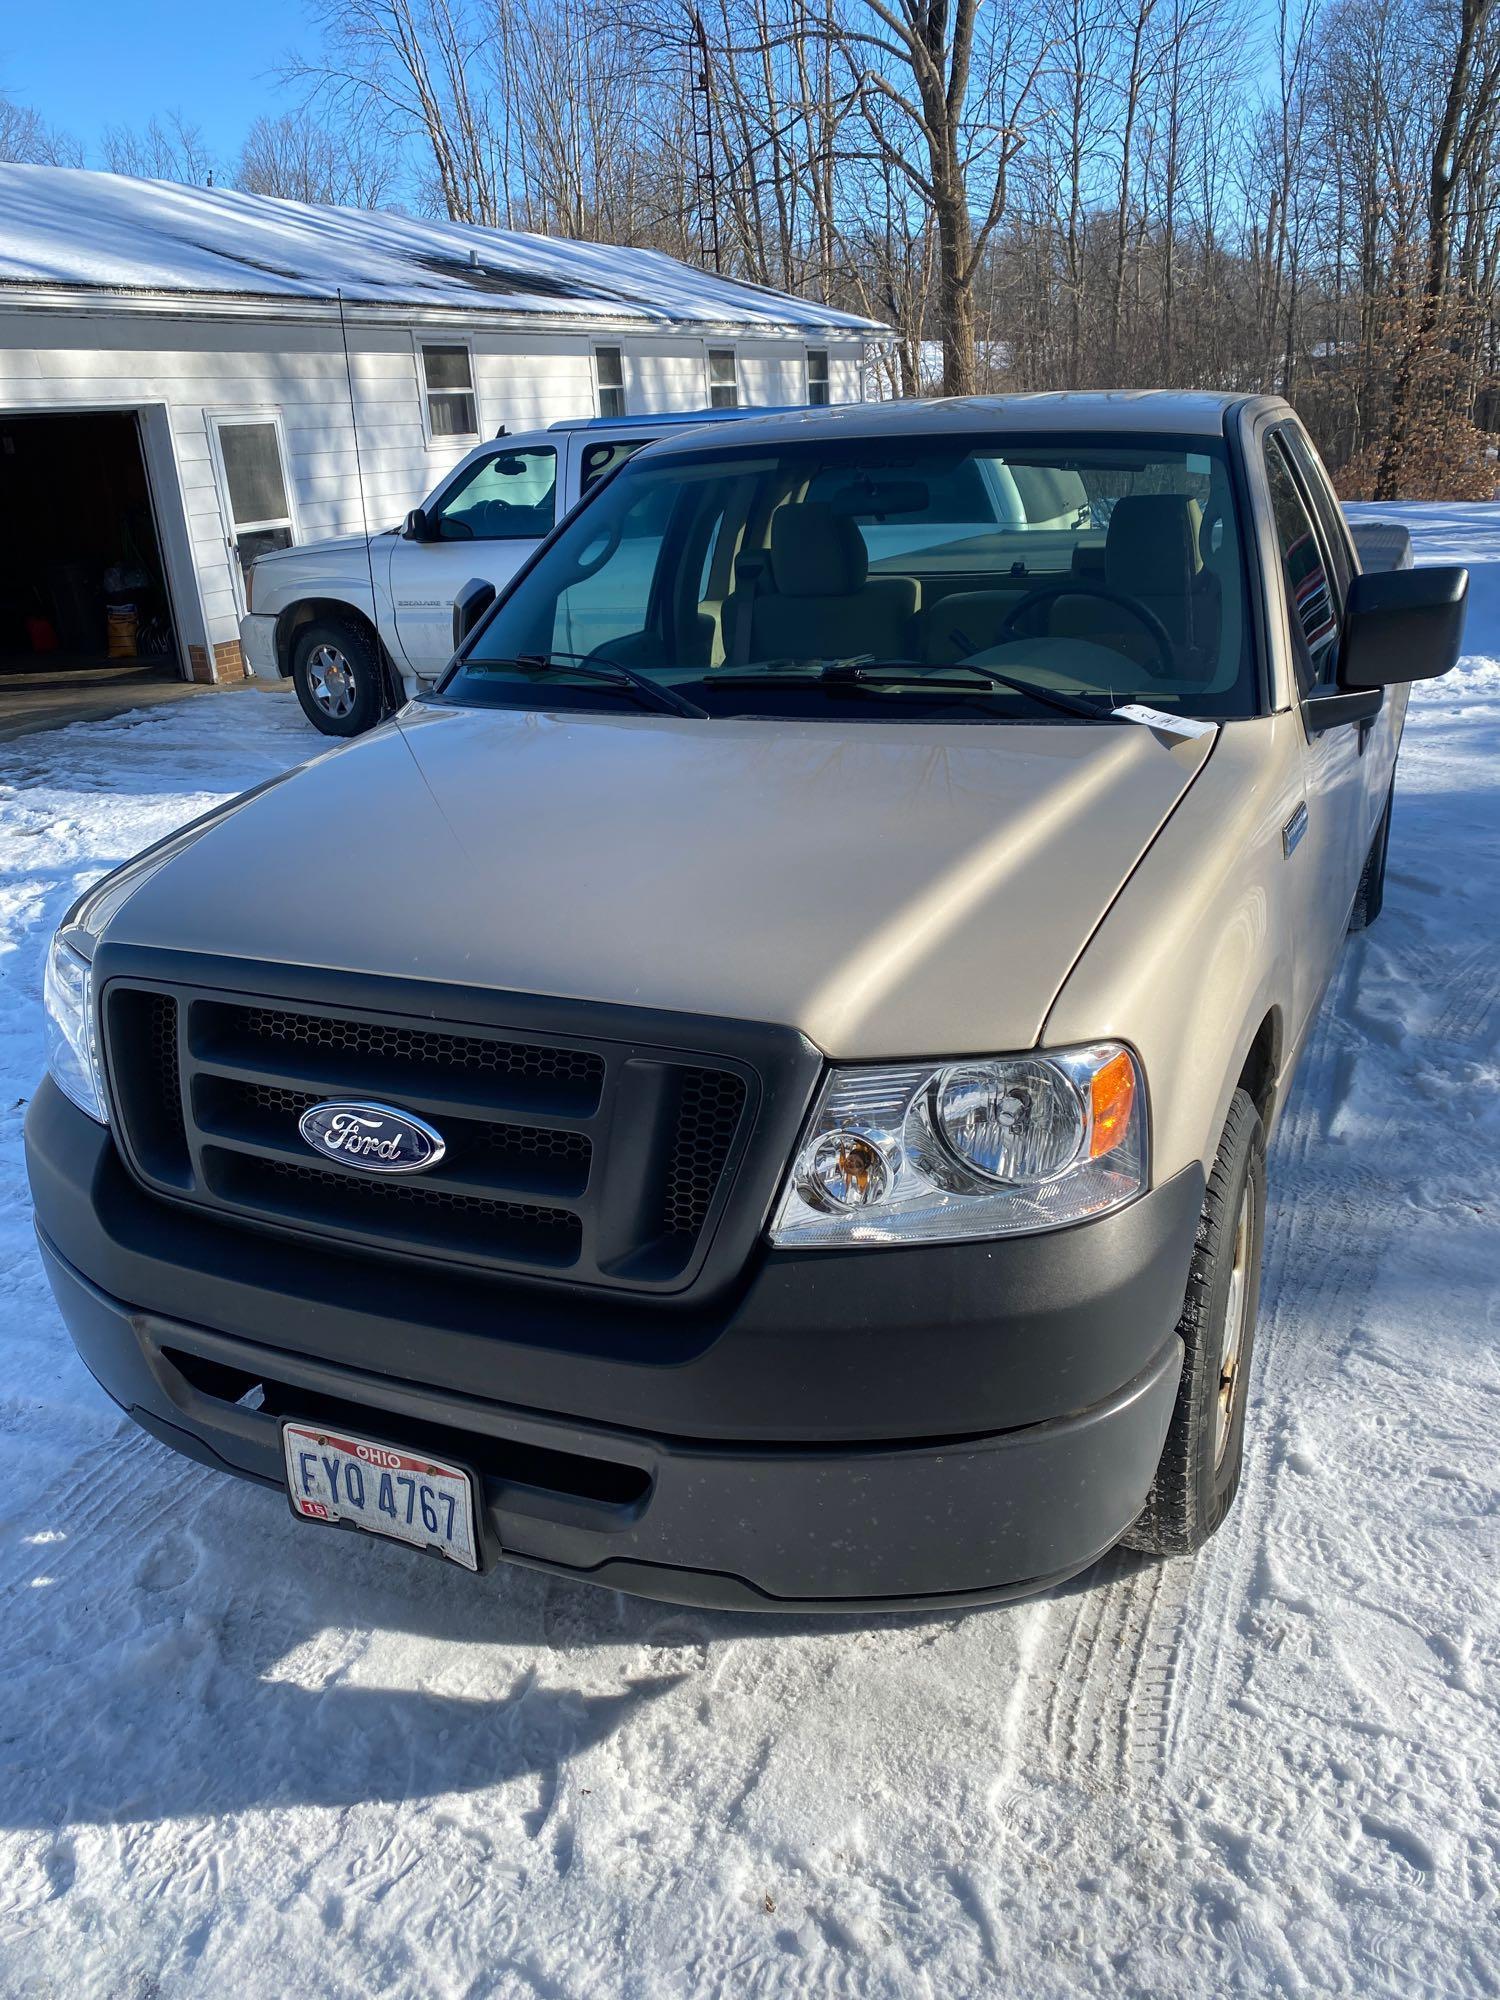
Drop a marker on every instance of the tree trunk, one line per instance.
(956, 290)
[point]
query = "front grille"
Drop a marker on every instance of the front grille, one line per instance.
(607, 1164)
(541, 1235)
(710, 1102)
(565, 1077)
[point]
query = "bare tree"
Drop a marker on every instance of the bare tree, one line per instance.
(27, 140)
(167, 148)
(305, 158)
(408, 69)
(1471, 79)
(959, 82)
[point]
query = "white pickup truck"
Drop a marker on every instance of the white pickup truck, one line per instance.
(359, 623)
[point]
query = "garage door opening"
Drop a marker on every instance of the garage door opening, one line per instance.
(83, 590)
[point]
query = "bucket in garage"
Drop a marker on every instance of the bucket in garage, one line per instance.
(122, 631)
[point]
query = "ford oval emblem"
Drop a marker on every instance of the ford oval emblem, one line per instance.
(376, 1138)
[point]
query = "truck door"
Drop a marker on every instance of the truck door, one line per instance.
(1322, 836)
(484, 523)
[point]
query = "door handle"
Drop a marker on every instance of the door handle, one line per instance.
(1293, 831)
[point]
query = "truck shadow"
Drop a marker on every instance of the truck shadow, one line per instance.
(172, 1643)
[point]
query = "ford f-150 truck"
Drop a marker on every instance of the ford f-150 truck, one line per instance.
(780, 1119)
(360, 622)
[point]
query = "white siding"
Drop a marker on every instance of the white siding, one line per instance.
(666, 374)
(845, 368)
(772, 371)
(75, 360)
(524, 384)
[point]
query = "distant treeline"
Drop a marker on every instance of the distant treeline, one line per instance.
(1033, 193)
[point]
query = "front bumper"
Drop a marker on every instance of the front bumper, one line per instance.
(258, 647)
(950, 1424)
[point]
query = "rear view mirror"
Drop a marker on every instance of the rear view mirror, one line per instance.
(876, 498)
(1402, 625)
(414, 527)
(469, 607)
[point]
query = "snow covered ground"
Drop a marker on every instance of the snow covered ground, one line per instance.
(241, 1758)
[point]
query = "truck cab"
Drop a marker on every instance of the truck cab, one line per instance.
(359, 623)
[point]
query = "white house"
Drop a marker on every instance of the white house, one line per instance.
(190, 375)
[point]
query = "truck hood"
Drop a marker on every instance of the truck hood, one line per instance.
(330, 545)
(891, 889)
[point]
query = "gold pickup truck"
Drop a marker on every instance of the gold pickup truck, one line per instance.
(755, 1090)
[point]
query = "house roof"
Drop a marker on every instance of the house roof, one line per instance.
(69, 230)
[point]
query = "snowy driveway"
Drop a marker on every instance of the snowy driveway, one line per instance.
(242, 1758)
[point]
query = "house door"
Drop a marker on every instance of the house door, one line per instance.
(250, 459)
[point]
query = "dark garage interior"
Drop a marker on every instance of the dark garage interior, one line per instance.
(83, 593)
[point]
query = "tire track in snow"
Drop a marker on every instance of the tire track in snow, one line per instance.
(1106, 1664)
(1133, 1665)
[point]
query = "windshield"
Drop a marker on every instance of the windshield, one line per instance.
(875, 578)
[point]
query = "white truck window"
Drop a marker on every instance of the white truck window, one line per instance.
(510, 496)
(448, 379)
(603, 457)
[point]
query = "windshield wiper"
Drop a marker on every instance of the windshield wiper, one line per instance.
(961, 676)
(930, 676)
(598, 667)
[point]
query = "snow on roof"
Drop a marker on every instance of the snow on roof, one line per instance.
(67, 227)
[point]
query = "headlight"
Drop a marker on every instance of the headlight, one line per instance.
(923, 1152)
(72, 1050)
(67, 988)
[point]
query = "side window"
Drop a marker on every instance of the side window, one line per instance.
(508, 497)
(604, 457)
(1325, 503)
(448, 388)
(1310, 591)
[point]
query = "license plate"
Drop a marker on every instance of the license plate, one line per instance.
(403, 1495)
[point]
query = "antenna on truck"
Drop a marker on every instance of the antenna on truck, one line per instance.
(359, 470)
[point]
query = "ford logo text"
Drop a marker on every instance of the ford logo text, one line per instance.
(376, 1138)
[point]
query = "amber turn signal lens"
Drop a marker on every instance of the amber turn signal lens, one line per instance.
(1112, 1099)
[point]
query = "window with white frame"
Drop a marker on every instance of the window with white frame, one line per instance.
(448, 389)
(817, 375)
(609, 370)
(723, 379)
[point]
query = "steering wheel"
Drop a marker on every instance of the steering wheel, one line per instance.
(1067, 586)
(493, 514)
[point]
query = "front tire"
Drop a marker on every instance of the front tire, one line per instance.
(337, 672)
(1199, 1472)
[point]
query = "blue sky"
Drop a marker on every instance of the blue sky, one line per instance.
(87, 64)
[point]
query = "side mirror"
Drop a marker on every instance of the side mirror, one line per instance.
(469, 607)
(1402, 625)
(415, 527)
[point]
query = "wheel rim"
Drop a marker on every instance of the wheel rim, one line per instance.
(331, 680)
(1236, 1311)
